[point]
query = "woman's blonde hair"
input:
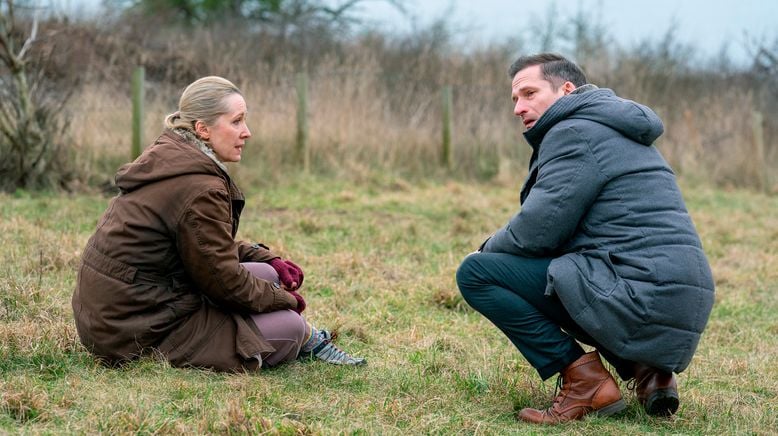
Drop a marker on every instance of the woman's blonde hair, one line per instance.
(203, 100)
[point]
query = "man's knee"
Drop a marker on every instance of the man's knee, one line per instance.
(464, 272)
(468, 276)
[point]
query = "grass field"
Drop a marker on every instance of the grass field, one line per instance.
(379, 257)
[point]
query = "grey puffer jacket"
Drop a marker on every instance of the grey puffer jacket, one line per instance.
(601, 201)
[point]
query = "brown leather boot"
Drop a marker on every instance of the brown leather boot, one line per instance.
(656, 390)
(587, 388)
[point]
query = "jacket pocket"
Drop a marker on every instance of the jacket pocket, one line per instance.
(597, 270)
(108, 266)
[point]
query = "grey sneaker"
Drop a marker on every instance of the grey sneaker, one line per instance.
(328, 352)
(328, 337)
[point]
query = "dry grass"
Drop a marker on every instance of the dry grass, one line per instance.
(375, 99)
(363, 116)
(380, 257)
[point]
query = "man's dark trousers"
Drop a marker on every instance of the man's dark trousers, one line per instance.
(509, 291)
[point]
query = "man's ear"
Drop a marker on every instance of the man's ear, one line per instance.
(568, 87)
(202, 130)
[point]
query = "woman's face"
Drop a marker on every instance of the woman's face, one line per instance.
(227, 136)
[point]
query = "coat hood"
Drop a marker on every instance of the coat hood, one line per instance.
(171, 155)
(633, 120)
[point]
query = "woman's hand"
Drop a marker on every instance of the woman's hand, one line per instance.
(289, 274)
(300, 301)
(300, 277)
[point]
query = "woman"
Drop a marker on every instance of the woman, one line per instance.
(163, 272)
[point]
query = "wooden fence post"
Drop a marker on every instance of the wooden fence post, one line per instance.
(138, 79)
(303, 150)
(445, 150)
(757, 129)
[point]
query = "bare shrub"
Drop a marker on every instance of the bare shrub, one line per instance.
(31, 128)
(375, 99)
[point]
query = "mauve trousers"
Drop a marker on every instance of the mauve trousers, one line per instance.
(285, 330)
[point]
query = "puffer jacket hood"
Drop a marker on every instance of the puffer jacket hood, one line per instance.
(633, 120)
(169, 156)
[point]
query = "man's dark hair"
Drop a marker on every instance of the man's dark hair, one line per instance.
(555, 68)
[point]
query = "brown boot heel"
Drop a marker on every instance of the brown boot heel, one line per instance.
(611, 409)
(662, 402)
(656, 390)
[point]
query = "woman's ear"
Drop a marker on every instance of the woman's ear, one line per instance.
(202, 130)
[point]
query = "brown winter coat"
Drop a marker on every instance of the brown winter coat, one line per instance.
(162, 271)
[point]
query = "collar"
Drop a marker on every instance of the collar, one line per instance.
(202, 145)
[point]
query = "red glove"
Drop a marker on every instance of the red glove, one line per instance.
(300, 301)
(289, 274)
(286, 274)
(300, 276)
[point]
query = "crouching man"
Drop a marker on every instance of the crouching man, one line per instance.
(602, 252)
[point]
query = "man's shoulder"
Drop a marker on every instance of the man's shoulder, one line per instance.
(570, 132)
(583, 131)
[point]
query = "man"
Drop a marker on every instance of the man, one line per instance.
(602, 250)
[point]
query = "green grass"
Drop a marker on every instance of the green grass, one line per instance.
(379, 257)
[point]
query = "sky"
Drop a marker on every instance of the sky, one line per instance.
(706, 25)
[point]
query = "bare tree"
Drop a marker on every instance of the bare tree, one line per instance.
(296, 12)
(30, 122)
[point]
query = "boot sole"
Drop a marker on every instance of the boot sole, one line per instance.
(662, 402)
(611, 409)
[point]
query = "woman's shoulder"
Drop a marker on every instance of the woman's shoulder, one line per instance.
(169, 156)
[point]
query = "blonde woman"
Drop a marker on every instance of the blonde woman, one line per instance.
(163, 272)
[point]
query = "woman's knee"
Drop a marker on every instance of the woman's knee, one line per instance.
(261, 270)
(289, 343)
(282, 324)
(285, 330)
(299, 327)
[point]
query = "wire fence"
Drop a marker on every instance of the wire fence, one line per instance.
(352, 118)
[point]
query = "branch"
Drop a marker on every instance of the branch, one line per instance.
(11, 60)
(10, 20)
(31, 39)
(6, 126)
(6, 27)
(6, 54)
(335, 13)
(770, 56)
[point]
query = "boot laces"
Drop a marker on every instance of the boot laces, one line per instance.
(551, 412)
(633, 383)
(560, 390)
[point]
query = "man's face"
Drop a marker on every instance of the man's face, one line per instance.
(533, 95)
